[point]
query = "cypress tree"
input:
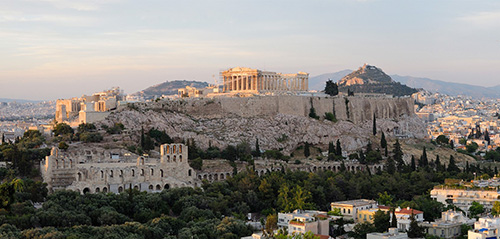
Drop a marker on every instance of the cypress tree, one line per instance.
(383, 142)
(438, 164)
(424, 160)
(413, 165)
(338, 150)
(257, 148)
(331, 148)
(452, 167)
(307, 151)
(394, 221)
(391, 168)
(3, 138)
(142, 137)
(374, 125)
(487, 137)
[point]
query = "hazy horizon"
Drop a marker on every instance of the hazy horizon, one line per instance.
(65, 48)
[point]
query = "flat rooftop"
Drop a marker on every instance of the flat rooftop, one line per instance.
(355, 203)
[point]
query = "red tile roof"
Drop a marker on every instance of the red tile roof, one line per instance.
(409, 211)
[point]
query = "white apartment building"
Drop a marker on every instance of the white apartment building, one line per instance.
(463, 198)
(302, 221)
(485, 228)
(449, 226)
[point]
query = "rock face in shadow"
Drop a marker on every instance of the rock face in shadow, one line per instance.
(370, 79)
(279, 122)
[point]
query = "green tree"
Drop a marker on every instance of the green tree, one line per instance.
(424, 162)
(495, 211)
(331, 88)
(62, 129)
(394, 220)
(307, 151)
(472, 147)
(381, 221)
(475, 209)
(63, 145)
(442, 140)
(413, 165)
(385, 199)
(383, 142)
(391, 167)
(398, 155)
(257, 148)
(312, 113)
(331, 148)
(452, 167)
(271, 224)
(361, 229)
(338, 149)
(415, 230)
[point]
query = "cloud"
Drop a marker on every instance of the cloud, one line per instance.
(483, 19)
(85, 5)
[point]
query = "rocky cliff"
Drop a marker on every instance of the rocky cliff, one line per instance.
(279, 122)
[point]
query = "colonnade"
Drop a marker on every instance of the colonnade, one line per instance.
(271, 82)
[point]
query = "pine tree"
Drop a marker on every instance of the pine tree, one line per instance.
(338, 150)
(374, 125)
(391, 168)
(331, 88)
(398, 156)
(307, 151)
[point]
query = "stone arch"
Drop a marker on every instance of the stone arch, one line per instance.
(180, 149)
(352, 168)
(222, 176)
(216, 177)
(158, 187)
(199, 177)
(205, 176)
(97, 190)
(63, 164)
(174, 149)
(167, 186)
(180, 158)
(57, 163)
(314, 169)
(168, 149)
(150, 187)
(228, 175)
(189, 173)
(104, 189)
(79, 176)
(111, 173)
(121, 173)
(168, 158)
(175, 158)
(142, 172)
(133, 173)
(152, 172)
(329, 167)
(161, 173)
(210, 177)
(120, 189)
(86, 190)
(102, 174)
(136, 187)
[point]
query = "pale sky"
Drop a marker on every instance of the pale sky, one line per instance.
(53, 49)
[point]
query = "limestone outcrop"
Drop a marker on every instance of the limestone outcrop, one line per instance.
(278, 122)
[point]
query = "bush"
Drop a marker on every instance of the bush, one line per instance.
(330, 116)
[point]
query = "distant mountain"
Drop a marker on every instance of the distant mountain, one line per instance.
(19, 100)
(370, 79)
(169, 88)
(318, 82)
(449, 88)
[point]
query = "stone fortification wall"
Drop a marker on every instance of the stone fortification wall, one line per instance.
(353, 108)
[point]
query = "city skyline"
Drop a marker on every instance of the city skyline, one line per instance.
(60, 48)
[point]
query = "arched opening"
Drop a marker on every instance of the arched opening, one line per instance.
(57, 163)
(221, 176)
(70, 163)
(97, 190)
(168, 149)
(133, 173)
(150, 187)
(111, 173)
(152, 172)
(174, 159)
(189, 173)
(104, 189)
(174, 150)
(121, 173)
(180, 158)
(142, 172)
(210, 177)
(216, 177)
(86, 190)
(158, 187)
(166, 186)
(199, 177)
(63, 165)
(79, 176)
(142, 160)
(120, 189)
(168, 158)
(136, 187)
(161, 173)
(102, 174)
(180, 149)
(205, 176)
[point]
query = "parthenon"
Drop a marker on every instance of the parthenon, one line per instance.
(242, 79)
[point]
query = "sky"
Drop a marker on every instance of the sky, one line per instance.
(52, 49)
